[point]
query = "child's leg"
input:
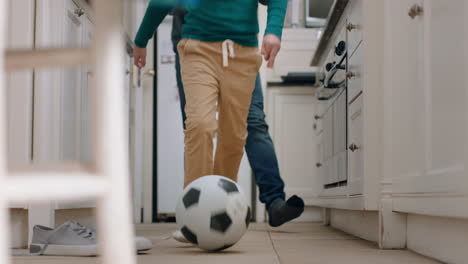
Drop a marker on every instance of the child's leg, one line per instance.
(236, 89)
(201, 93)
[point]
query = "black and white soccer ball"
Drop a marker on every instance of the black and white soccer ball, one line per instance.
(213, 213)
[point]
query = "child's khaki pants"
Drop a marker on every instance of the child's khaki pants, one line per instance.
(217, 76)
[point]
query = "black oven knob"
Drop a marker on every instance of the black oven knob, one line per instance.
(329, 66)
(340, 48)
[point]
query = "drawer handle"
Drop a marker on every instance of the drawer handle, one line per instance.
(317, 117)
(353, 147)
(150, 73)
(318, 165)
(350, 75)
(350, 27)
(79, 12)
(415, 11)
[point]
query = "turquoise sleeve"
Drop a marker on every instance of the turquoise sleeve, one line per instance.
(155, 14)
(276, 14)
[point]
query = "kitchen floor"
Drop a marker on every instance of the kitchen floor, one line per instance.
(294, 243)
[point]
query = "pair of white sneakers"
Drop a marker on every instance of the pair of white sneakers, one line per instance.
(72, 239)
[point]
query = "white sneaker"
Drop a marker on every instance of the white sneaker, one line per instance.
(178, 236)
(72, 239)
(69, 239)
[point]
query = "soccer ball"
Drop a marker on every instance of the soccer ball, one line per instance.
(213, 213)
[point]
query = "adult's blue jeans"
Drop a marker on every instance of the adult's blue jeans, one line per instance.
(259, 146)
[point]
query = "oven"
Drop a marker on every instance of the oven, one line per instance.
(333, 96)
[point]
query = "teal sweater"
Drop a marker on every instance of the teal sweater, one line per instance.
(217, 20)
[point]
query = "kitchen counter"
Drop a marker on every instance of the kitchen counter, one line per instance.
(336, 12)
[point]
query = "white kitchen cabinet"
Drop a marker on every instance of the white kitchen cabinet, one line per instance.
(354, 25)
(339, 124)
(407, 124)
(428, 105)
(355, 147)
(85, 117)
(355, 73)
(290, 112)
(328, 158)
(70, 93)
(339, 137)
(354, 177)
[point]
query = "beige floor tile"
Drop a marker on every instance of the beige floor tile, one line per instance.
(297, 243)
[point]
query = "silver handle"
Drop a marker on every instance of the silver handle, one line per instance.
(353, 147)
(415, 11)
(350, 75)
(79, 11)
(350, 27)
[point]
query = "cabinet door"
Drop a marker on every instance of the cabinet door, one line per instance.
(408, 108)
(355, 147)
(339, 136)
(445, 88)
(70, 92)
(85, 109)
(429, 99)
(291, 119)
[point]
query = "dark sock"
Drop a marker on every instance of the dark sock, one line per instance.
(281, 211)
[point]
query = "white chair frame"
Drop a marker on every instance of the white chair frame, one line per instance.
(107, 179)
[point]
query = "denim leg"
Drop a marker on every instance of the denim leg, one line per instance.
(180, 86)
(261, 152)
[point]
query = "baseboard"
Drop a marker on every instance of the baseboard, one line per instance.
(444, 239)
(363, 224)
(311, 214)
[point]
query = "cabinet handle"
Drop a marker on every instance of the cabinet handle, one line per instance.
(415, 11)
(353, 147)
(350, 27)
(79, 11)
(318, 165)
(317, 117)
(350, 75)
(150, 73)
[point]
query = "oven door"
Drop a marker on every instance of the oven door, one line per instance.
(335, 82)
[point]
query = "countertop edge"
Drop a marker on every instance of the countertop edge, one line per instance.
(332, 21)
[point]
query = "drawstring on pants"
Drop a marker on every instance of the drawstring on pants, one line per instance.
(228, 51)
